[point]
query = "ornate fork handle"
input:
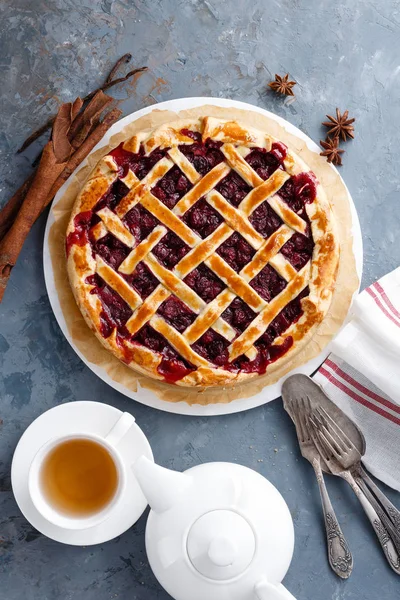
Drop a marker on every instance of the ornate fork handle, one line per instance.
(391, 510)
(339, 555)
(381, 513)
(381, 532)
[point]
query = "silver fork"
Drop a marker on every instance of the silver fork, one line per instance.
(350, 458)
(339, 555)
(327, 451)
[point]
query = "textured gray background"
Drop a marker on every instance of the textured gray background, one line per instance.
(343, 53)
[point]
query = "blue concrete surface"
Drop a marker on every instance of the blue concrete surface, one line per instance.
(342, 53)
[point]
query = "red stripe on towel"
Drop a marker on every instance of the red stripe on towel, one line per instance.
(361, 388)
(358, 398)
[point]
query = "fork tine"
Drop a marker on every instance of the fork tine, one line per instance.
(323, 437)
(331, 427)
(340, 452)
(315, 438)
(346, 440)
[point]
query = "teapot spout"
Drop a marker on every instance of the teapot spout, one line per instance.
(161, 487)
(264, 590)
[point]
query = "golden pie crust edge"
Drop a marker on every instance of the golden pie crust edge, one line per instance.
(323, 265)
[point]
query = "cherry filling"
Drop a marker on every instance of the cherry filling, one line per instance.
(111, 250)
(176, 313)
(265, 220)
(265, 356)
(172, 366)
(265, 163)
(140, 222)
(204, 282)
(298, 250)
(213, 347)
(268, 283)
(202, 218)
(115, 311)
(290, 314)
(170, 249)
(80, 235)
(298, 191)
(113, 196)
(238, 314)
(204, 156)
(233, 188)
(138, 163)
(142, 280)
(236, 251)
(171, 187)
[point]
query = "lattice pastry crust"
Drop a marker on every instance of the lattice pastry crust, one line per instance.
(198, 307)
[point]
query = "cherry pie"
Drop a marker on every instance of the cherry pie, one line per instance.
(202, 253)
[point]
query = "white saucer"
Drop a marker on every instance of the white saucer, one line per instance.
(92, 417)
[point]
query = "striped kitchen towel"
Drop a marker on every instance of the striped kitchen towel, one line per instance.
(362, 375)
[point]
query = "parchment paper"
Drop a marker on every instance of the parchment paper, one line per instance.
(346, 284)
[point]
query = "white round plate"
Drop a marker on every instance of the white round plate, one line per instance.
(144, 395)
(93, 417)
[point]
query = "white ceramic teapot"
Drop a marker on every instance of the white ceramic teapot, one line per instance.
(218, 531)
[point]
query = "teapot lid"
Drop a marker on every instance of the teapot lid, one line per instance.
(221, 544)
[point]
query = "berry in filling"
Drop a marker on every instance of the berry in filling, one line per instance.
(266, 163)
(171, 187)
(172, 366)
(140, 222)
(138, 163)
(238, 314)
(213, 347)
(176, 313)
(298, 250)
(204, 282)
(194, 135)
(202, 218)
(203, 156)
(142, 280)
(111, 250)
(236, 252)
(265, 220)
(115, 311)
(170, 249)
(113, 196)
(298, 191)
(233, 188)
(268, 283)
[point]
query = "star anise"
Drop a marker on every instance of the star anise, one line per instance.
(332, 150)
(282, 85)
(340, 126)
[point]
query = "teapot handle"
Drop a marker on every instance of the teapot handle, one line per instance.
(264, 590)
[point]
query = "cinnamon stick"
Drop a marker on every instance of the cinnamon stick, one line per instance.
(10, 246)
(10, 210)
(61, 126)
(84, 122)
(83, 151)
(44, 184)
(106, 86)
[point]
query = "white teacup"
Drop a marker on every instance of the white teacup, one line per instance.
(110, 443)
